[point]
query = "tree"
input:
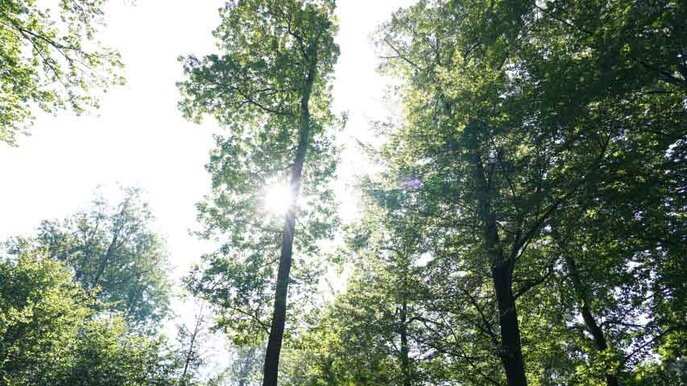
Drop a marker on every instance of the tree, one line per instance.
(41, 311)
(381, 307)
(51, 335)
(514, 113)
(108, 354)
(114, 254)
(270, 87)
(190, 340)
(51, 60)
(366, 335)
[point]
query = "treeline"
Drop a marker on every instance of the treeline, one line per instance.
(529, 225)
(88, 300)
(81, 301)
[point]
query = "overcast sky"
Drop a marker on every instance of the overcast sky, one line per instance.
(138, 138)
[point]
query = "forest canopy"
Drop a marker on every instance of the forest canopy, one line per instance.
(523, 220)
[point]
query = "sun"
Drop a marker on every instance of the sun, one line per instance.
(277, 199)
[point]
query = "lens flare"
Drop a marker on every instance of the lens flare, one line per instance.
(277, 199)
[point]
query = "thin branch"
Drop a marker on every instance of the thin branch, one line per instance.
(529, 284)
(400, 56)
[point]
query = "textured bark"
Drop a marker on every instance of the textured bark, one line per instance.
(510, 351)
(274, 343)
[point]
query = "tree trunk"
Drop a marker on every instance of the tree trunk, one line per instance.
(279, 315)
(191, 346)
(105, 259)
(511, 351)
(589, 320)
(405, 360)
(502, 275)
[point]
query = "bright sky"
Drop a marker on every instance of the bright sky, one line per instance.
(138, 137)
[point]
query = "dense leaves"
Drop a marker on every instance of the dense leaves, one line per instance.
(52, 336)
(539, 166)
(527, 225)
(114, 254)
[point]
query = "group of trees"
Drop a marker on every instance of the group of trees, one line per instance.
(528, 226)
(81, 301)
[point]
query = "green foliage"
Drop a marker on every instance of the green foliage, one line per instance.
(270, 88)
(367, 336)
(51, 60)
(41, 312)
(532, 208)
(50, 334)
(114, 255)
(544, 140)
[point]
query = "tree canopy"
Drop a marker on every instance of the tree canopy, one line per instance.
(525, 221)
(270, 88)
(52, 336)
(113, 253)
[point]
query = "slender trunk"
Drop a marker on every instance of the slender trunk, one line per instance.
(194, 335)
(589, 320)
(279, 315)
(405, 360)
(502, 275)
(511, 351)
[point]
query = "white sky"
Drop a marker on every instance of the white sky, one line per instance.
(138, 137)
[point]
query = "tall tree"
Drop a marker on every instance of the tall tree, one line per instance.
(515, 111)
(381, 301)
(366, 336)
(191, 339)
(270, 87)
(50, 59)
(114, 253)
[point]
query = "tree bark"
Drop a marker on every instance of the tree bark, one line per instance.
(510, 351)
(274, 342)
